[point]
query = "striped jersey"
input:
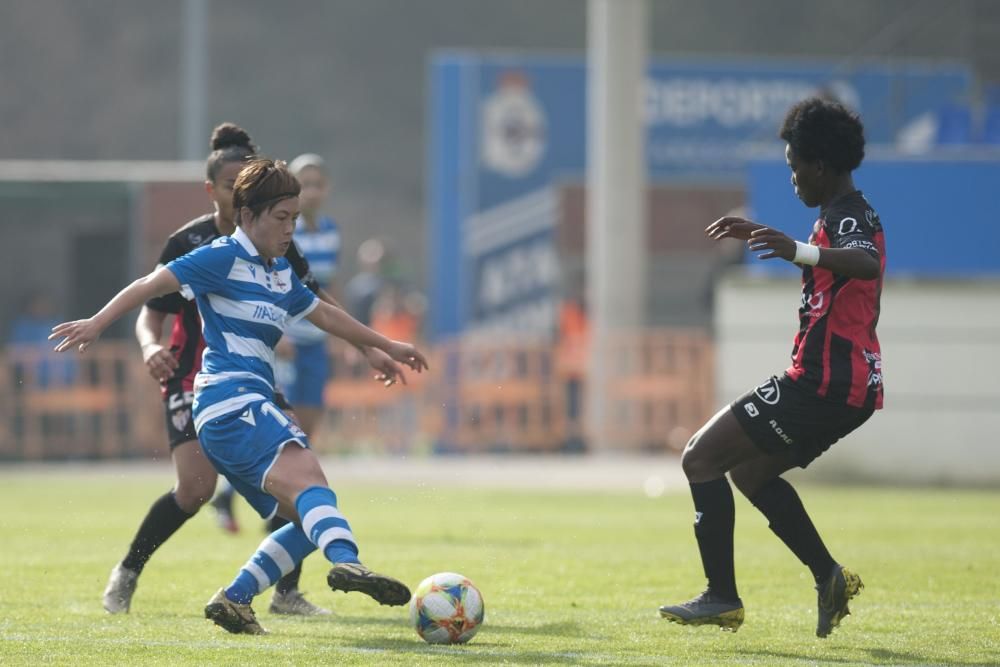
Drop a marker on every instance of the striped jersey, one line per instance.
(836, 353)
(321, 248)
(245, 306)
(186, 343)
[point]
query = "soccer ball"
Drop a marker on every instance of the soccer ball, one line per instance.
(446, 609)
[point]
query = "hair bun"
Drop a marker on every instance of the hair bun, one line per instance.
(229, 134)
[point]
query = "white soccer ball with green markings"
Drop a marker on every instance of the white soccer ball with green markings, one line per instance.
(446, 608)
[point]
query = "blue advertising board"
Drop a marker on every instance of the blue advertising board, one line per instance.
(505, 129)
(937, 214)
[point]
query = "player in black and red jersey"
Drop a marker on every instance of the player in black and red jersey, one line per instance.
(175, 368)
(832, 387)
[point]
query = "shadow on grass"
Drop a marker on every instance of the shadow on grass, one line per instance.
(476, 652)
(882, 655)
(898, 657)
(561, 629)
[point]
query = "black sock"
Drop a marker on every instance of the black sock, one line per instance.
(715, 519)
(788, 519)
(290, 581)
(163, 519)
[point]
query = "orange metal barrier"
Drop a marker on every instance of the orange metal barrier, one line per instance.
(97, 405)
(480, 395)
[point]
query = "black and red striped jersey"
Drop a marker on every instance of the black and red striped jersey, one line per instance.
(186, 342)
(836, 352)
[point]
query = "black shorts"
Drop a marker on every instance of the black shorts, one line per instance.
(781, 418)
(180, 425)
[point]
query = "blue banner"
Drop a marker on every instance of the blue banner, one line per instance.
(506, 130)
(920, 202)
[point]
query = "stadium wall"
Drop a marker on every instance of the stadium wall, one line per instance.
(941, 360)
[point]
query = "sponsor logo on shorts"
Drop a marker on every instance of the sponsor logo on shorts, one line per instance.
(751, 409)
(769, 392)
(181, 418)
(697, 518)
(874, 360)
(180, 399)
(781, 433)
(248, 417)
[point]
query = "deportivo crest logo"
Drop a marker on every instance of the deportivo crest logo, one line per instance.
(769, 392)
(180, 419)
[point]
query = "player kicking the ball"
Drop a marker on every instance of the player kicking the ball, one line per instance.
(247, 295)
(832, 387)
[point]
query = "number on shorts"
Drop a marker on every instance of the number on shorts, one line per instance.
(273, 410)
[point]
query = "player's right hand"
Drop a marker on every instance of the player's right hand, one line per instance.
(159, 362)
(407, 354)
(79, 333)
(732, 227)
(388, 371)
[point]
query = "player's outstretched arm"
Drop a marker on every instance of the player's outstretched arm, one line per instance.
(732, 227)
(848, 262)
(81, 333)
(339, 323)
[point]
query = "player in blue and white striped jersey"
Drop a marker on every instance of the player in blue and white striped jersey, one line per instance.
(247, 295)
(306, 368)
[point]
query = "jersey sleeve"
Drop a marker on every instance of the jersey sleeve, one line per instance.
(174, 302)
(850, 230)
(301, 301)
(300, 267)
(203, 270)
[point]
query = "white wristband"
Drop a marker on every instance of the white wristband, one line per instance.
(806, 253)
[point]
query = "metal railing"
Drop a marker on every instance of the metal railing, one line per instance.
(480, 396)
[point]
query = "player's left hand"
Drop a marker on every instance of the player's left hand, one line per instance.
(80, 333)
(773, 244)
(388, 370)
(407, 354)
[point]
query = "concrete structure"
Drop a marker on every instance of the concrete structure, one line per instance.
(616, 187)
(941, 353)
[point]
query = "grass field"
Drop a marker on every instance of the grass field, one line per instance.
(569, 578)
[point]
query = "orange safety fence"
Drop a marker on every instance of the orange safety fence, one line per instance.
(480, 395)
(101, 404)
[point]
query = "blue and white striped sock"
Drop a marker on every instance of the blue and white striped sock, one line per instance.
(325, 525)
(276, 556)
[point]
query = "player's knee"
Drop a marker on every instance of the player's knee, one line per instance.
(191, 494)
(691, 460)
(699, 461)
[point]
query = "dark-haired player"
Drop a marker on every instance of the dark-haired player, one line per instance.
(832, 387)
(247, 296)
(175, 368)
(303, 365)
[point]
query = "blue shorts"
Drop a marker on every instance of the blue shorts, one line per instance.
(243, 445)
(312, 370)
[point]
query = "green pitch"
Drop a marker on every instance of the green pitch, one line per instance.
(569, 578)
